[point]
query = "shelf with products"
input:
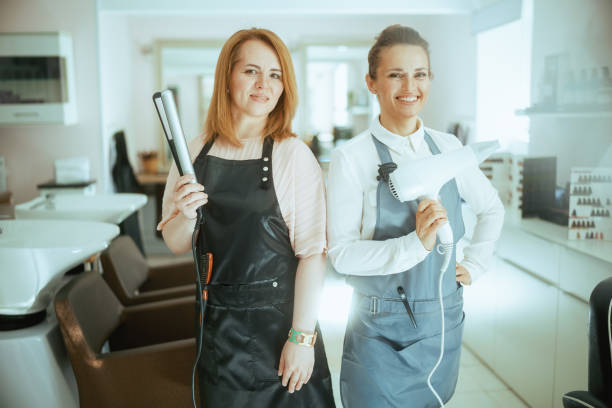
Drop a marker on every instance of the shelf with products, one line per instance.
(359, 110)
(594, 112)
(566, 89)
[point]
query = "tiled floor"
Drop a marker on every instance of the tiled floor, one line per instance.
(477, 387)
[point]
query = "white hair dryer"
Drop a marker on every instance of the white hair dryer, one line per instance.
(422, 179)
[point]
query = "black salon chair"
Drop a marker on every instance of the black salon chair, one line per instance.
(150, 353)
(599, 394)
(134, 282)
(125, 181)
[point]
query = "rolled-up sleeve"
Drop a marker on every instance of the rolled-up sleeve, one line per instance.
(484, 201)
(309, 214)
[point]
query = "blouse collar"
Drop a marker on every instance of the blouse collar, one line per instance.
(396, 142)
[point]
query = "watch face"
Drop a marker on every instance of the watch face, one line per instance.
(301, 338)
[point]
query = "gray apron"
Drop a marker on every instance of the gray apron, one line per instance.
(387, 359)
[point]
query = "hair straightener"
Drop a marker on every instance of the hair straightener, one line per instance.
(168, 115)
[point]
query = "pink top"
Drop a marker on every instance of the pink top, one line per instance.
(297, 180)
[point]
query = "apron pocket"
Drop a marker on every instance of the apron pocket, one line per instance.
(208, 360)
(226, 357)
(269, 328)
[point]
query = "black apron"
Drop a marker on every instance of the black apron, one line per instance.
(250, 296)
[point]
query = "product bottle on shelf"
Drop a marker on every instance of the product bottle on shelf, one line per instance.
(592, 87)
(582, 88)
(567, 91)
(604, 91)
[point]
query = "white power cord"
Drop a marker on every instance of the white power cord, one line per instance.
(447, 251)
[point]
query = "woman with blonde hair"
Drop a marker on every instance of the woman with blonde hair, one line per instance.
(264, 223)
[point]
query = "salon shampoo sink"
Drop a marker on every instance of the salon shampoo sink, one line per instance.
(35, 370)
(34, 255)
(113, 208)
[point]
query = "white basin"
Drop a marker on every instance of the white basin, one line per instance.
(34, 255)
(113, 208)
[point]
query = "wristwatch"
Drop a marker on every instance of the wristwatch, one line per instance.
(302, 338)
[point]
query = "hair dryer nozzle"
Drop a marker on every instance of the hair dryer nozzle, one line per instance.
(482, 150)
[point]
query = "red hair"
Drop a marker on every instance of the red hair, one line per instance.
(219, 119)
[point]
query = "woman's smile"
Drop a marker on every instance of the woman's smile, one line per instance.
(407, 99)
(258, 97)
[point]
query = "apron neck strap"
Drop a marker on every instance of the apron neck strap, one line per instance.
(266, 163)
(266, 152)
(388, 166)
(207, 146)
(382, 149)
(432, 145)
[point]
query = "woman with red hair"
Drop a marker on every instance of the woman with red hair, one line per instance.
(265, 226)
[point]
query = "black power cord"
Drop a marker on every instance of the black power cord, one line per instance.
(201, 285)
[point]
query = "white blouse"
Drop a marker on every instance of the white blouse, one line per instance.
(351, 213)
(297, 180)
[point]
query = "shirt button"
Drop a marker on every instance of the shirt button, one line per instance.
(264, 179)
(265, 168)
(265, 159)
(274, 284)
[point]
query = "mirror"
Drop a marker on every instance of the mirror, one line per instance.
(187, 68)
(338, 104)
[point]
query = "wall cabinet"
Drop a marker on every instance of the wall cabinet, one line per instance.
(571, 371)
(530, 252)
(511, 324)
(525, 334)
(527, 317)
(37, 79)
(480, 302)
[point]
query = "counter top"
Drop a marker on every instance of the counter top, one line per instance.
(75, 184)
(546, 230)
(558, 234)
(152, 178)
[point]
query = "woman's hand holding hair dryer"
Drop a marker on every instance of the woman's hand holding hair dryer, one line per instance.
(431, 215)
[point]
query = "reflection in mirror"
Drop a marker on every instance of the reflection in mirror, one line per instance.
(338, 102)
(188, 69)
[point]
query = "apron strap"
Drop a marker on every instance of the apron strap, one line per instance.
(266, 163)
(382, 149)
(432, 145)
(388, 166)
(207, 147)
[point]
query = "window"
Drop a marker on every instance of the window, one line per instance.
(503, 83)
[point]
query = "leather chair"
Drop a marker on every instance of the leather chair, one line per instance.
(127, 273)
(7, 206)
(599, 394)
(125, 181)
(152, 346)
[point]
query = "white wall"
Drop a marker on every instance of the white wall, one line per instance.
(452, 56)
(503, 84)
(584, 30)
(116, 80)
(30, 150)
